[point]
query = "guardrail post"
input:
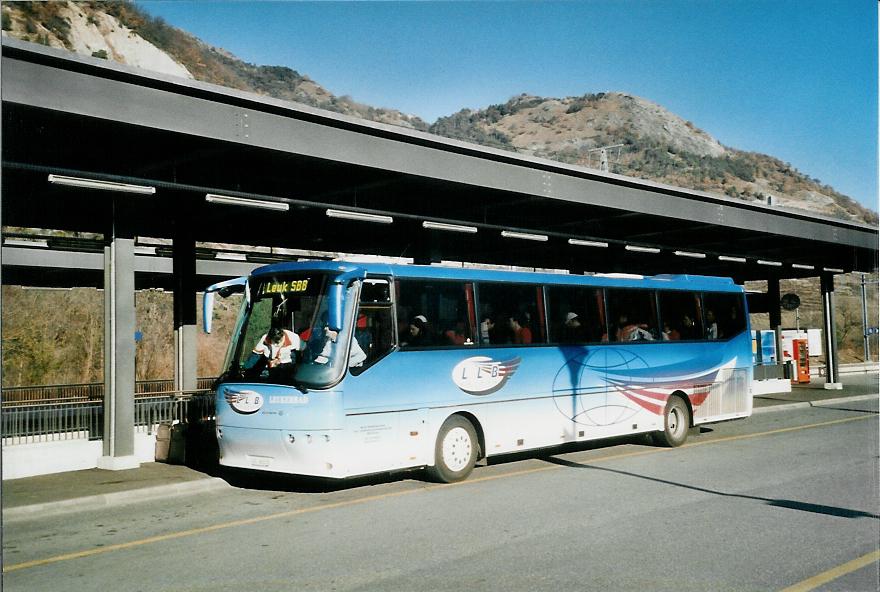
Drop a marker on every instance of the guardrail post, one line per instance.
(119, 351)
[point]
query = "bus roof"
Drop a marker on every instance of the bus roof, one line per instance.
(689, 282)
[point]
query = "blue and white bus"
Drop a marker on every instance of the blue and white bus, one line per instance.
(339, 369)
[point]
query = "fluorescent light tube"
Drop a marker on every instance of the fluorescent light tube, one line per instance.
(729, 258)
(246, 202)
(102, 185)
(691, 254)
(361, 216)
(449, 227)
(802, 266)
(586, 243)
(637, 249)
(833, 269)
(524, 236)
(771, 263)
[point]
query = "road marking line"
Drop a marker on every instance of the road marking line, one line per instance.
(779, 431)
(834, 573)
(201, 530)
(342, 504)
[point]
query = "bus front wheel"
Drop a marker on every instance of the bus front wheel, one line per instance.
(455, 452)
(676, 423)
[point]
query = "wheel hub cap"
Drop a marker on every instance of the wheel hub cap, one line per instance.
(456, 449)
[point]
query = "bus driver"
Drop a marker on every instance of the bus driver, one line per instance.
(276, 351)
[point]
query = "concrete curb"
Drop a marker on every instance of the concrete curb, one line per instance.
(807, 404)
(118, 498)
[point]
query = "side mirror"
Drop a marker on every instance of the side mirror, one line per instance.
(227, 288)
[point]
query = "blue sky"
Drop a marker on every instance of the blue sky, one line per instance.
(793, 79)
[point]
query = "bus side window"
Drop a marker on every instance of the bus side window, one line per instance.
(724, 315)
(633, 314)
(435, 313)
(510, 314)
(373, 328)
(680, 315)
(575, 315)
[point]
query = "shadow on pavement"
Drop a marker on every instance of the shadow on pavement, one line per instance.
(779, 503)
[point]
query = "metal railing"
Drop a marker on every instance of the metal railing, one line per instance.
(51, 422)
(57, 420)
(92, 391)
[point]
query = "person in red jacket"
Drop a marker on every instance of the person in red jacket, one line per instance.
(521, 332)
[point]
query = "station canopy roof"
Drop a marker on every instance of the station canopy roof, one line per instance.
(304, 178)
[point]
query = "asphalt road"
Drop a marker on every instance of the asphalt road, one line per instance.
(781, 499)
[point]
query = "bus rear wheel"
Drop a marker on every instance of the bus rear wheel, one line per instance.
(676, 423)
(455, 452)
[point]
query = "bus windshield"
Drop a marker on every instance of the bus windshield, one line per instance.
(284, 336)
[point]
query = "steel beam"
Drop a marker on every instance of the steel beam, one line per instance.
(49, 258)
(56, 80)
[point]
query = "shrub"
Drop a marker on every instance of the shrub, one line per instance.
(58, 25)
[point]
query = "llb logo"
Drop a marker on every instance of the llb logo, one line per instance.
(244, 402)
(481, 375)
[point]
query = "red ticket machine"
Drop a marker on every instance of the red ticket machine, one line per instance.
(801, 358)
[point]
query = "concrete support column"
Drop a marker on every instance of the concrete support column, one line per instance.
(185, 313)
(832, 373)
(119, 354)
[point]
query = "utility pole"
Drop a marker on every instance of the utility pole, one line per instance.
(603, 155)
(866, 330)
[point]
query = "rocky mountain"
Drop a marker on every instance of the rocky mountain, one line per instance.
(641, 138)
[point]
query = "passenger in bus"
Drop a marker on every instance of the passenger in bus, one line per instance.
(572, 329)
(362, 333)
(688, 328)
(519, 325)
(624, 328)
(457, 335)
(732, 325)
(711, 325)
(419, 333)
(487, 328)
(670, 333)
(323, 346)
(631, 331)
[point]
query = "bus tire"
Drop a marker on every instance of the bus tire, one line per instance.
(455, 452)
(676, 423)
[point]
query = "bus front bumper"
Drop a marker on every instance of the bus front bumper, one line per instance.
(314, 453)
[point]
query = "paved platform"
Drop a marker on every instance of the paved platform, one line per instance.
(856, 384)
(95, 488)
